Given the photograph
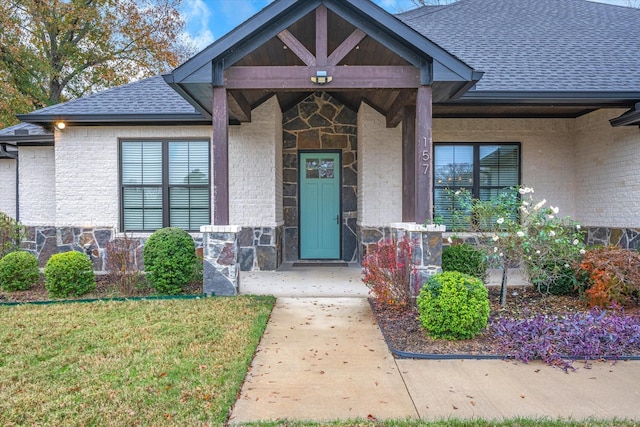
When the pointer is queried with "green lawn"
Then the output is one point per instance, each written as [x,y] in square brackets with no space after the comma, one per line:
[163,362]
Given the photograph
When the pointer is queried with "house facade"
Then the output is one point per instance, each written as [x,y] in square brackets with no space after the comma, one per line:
[320,127]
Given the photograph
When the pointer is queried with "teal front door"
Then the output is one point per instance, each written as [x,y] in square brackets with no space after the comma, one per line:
[320,184]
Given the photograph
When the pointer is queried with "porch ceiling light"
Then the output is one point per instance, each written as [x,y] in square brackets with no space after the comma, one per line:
[61,125]
[321,78]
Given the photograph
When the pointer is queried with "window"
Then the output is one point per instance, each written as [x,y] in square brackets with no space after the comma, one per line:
[483,169]
[164,184]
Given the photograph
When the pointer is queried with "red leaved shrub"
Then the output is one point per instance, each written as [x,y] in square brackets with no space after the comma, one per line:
[387,271]
[613,276]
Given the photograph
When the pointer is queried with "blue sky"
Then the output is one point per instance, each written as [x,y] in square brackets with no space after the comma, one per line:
[208,20]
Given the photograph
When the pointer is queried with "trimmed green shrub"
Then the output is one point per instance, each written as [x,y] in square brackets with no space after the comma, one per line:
[18,271]
[69,274]
[169,260]
[453,305]
[466,259]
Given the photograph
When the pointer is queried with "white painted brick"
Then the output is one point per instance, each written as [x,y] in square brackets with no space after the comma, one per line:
[255,168]
[87,186]
[548,151]
[8,187]
[607,176]
[379,169]
[37,185]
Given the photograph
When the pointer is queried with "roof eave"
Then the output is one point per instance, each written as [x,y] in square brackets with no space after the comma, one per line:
[112,119]
[26,139]
[610,99]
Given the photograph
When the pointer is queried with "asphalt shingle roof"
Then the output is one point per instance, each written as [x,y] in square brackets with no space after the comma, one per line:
[148,96]
[23,129]
[538,45]
[521,45]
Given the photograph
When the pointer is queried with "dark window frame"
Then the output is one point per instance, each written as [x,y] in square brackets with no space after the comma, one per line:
[476,186]
[166,185]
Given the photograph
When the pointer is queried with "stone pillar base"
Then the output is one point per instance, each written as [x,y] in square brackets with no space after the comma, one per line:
[220,257]
[426,242]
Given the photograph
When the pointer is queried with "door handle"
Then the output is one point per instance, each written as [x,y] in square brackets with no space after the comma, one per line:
[338,219]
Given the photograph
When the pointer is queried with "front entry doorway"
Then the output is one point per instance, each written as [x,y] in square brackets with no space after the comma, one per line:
[320,182]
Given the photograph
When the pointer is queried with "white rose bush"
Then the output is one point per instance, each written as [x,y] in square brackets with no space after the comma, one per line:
[516,230]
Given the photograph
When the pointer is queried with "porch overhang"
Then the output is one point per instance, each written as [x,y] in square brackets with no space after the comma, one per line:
[273,53]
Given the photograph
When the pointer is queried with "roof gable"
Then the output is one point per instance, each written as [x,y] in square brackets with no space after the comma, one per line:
[363,14]
[320,24]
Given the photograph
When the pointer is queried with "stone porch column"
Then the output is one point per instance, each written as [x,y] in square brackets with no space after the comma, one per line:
[220,257]
[426,242]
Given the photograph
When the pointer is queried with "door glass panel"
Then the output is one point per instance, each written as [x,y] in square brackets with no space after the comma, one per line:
[327,168]
[313,166]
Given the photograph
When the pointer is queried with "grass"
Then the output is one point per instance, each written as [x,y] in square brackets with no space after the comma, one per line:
[162,362]
[177,362]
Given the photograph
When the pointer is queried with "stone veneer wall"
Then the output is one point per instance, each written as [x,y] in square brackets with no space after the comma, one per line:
[260,248]
[627,238]
[44,241]
[320,122]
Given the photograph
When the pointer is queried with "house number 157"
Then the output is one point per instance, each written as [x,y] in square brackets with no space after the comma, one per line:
[426,156]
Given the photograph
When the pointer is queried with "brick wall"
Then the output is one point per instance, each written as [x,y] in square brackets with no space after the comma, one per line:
[37,185]
[608,172]
[253,168]
[8,187]
[548,151]
[379,169]
[87,185]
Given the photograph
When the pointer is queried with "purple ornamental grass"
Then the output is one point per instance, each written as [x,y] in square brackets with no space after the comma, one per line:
[560,340]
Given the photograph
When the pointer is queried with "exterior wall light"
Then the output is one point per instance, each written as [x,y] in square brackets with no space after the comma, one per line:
[321,78]
[61,125]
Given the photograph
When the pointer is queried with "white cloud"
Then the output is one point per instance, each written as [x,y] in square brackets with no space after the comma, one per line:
[197,15]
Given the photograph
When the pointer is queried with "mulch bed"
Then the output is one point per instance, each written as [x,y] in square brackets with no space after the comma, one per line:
[405,334]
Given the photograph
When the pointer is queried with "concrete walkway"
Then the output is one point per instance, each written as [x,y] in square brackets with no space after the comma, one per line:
[325,359]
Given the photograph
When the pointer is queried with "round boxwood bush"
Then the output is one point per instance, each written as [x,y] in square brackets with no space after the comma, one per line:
[18,271]
[169,260]
[466,259]
[453,305]
[69,274]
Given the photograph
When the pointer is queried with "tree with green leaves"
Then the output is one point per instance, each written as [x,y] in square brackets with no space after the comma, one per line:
[55,50]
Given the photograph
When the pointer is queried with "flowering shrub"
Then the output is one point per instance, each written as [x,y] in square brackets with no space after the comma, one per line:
[613,276]
[515,228]
[550,246]
[453,306]
[387,272]
[558,340]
